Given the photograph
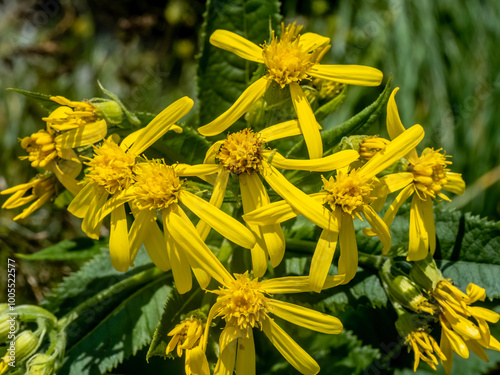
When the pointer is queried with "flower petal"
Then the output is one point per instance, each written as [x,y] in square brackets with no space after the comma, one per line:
[477,349]
[307,122]
[456,342]
[236,44]
[379,227]
[483,313]
[456,184]
[115,201]
[227,355]
[358,75]
[161,124]
[91,225]
[185,234]
[447,351]
[393,209]
[296,284]
[394,125]
[394,151]
[310,41]
[229,227]
[428,216]
[289,349]
[82,201]
[298,200]
[348,260]
[328,163]
[118,240]
[475,293]
[396,181]
[66,171]
[245,355]
[304,317]
[322,259]
[83,135]
[253,93]
[418,245]
[276,212]
[198,361]
[212,152]
[184,170]
[281,130]
[181,270]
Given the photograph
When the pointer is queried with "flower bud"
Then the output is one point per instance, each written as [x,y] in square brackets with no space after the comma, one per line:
[8,326]
[110,110]
[40,364]
[407,293]
[425,273]
[26,344]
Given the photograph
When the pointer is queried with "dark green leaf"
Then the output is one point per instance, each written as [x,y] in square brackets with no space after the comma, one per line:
[328,108]
[78,249]
[42,99]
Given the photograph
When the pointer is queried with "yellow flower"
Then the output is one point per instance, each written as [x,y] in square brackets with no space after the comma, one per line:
[426,176]
[245,304]
[111,173]
[187,337]
[243,154]
[424,347]
[458,332]
[74,115]
[40,190]
[348,195]
[288,60]
[155,188]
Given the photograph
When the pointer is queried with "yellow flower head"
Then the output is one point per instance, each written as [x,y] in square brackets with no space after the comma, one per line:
[429,173]
[424,348]
[241,152]
[40,190]
[243,304]
[41,148]
[71,115]
[369,146]
[286,59]
[111,167]
[349,192]
[156,185]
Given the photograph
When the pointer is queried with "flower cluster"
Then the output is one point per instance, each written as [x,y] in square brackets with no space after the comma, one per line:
[146,199]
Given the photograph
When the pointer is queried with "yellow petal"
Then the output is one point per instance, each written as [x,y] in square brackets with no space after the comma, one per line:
[115,201]
[245,355]
[91,225]
[212,152]
[216,200]
[118,240]
[281,130]
[35,206]
[276,212]
[289,349]
[456,184]
[184,233]
[475,293]
[379,227]
[396,181]
[64,170]
[227,352]
[456,342]
[394,151]
[322,259]
[184,170]
[393,209]
[428,216]
[274,240]
[296,284]
[298,200]
[221,222]
[83,135]
[138,229]
[201,276]
[328,163]
[253,93]
[236,44]
[81,203]
[161,124]
[198,362]
[304,317]
[418,245]
[358,75]
[477,349]
[348,260]
[310,41]
[307,122]
[483,313]
[181,270]
[447,351]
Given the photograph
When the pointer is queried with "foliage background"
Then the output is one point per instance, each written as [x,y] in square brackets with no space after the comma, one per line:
[443,56]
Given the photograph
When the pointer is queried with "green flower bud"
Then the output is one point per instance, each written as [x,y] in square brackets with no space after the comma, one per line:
[425,273]
[41,364]
[26,344]
[110,110]
[407,293]
[8,326]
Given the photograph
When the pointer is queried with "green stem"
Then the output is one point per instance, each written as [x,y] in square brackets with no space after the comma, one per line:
[136,279]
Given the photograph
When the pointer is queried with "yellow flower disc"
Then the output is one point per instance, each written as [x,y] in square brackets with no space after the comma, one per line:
[348,191]
[156,185]
[111,167]
[41,148]
[429,172]
[241,152]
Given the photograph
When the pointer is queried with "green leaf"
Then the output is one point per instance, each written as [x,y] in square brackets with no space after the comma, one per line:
[121,333]
[175,306]
[132,118]
[42,99]
[223,76]
[78,249]
[328,108]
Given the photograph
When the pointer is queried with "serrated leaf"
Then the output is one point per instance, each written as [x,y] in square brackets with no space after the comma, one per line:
[175,306]
[223,76]
[42,99]
[124,331]
[77,249]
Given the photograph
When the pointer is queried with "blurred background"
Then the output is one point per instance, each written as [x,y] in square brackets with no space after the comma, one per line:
[443,56]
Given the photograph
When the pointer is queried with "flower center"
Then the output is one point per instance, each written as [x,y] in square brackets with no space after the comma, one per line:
[429,172]
[369,146]
[348,191]
[71,115]
[241,152]
[156,185]
[285,60]
[41,148]
[111,167]
[243,304]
